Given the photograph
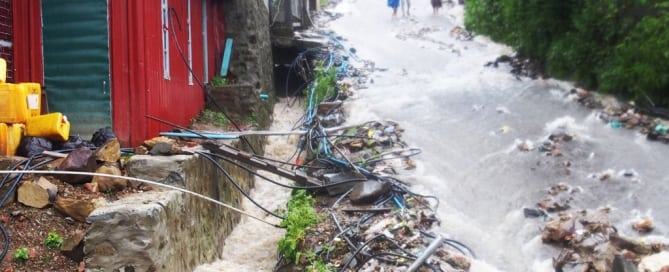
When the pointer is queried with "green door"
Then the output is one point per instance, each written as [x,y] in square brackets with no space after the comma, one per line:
[76,62]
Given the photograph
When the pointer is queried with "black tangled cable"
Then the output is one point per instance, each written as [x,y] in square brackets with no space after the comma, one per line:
[17,181]
[239,188]
[255,173]
[174,14]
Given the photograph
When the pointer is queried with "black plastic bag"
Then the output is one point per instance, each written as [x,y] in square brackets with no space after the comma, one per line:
[73,142]
[31,146]
[103,135]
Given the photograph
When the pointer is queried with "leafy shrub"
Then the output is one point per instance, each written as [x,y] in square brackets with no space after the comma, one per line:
[53,240]
[299,217]
[218,81]
[616,46]
[642,61]
[21,254]
[215,118]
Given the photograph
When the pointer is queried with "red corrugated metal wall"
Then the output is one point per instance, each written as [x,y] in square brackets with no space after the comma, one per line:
[139,88]
[27,36]
[216,29]
[6,37]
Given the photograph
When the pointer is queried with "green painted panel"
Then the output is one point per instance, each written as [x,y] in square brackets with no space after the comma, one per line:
[76,62]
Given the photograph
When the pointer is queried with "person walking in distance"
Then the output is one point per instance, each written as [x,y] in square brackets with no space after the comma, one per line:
[394,4]
[436,4]
[406,7]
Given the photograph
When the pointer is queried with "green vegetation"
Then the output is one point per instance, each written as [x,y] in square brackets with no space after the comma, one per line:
[21,254]
[616,46]
[315,262]
[299,217]
[218,81]
[325,80]
[53,240]
[215,118]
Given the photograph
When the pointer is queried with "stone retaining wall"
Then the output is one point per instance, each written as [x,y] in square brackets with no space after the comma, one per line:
[166,230]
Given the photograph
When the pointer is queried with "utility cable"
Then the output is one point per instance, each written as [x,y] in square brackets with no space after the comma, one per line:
[197,79]
[239,188]
[57,172]
[18,180]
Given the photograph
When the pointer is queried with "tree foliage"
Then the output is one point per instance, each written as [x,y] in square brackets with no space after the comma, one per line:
[617,46]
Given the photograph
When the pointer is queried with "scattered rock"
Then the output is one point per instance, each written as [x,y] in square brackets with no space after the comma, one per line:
[369,191]
[37,194]
[79,160]
[644,225]
[109,152]
[161,149]
[559,230]
[109,184]
[73,246]
[75,208]
[152,142]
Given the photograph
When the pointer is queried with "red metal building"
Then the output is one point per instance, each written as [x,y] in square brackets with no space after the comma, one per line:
[112,63]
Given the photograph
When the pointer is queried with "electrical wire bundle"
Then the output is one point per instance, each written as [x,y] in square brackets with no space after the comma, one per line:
[395,237]
[15,180]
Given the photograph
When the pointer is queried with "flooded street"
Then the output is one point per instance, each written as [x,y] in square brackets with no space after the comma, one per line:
[469,119]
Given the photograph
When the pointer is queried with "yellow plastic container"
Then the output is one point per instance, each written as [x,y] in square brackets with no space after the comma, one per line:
[33,97]
[10,138]
[3,70]
[18,102]
[53,126]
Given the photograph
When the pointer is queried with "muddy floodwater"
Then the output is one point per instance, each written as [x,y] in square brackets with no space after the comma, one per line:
[469,120]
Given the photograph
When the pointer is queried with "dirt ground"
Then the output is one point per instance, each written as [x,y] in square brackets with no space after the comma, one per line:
[28,227]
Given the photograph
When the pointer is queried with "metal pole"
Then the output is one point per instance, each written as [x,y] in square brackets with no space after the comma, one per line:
[428,252]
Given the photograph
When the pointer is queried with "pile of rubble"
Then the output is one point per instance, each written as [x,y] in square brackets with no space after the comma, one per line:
[371,219]
[624,115]
[589,242]
[617,115]
[520,66]
[85,177]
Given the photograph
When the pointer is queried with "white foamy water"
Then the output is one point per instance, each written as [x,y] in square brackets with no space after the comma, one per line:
[252,244]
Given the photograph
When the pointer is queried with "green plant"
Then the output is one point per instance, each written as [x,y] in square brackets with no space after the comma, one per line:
[21,254]
[218,81]
[315,263]
[324,84]
[53,240]
[215,118]
[319,266]
[251,119]
[299,217]
[614,46]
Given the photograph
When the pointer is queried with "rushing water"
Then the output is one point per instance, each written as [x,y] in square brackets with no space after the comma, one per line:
[468,119]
